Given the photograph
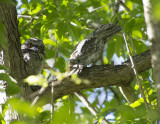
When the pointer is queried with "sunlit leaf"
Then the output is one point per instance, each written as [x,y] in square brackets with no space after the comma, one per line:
[76,79]
[153,97]
[62,28]
[105,60]
[137,103]
[65,97]
[136,87]
[23,107]
[1,118]
[37,9]
[49,41]
[36,80]
[136,34]
[129,4]
[65,2]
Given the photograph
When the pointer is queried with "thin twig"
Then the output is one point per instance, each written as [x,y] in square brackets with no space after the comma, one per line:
[25,26]
[86,103]
[89,106]
[52,84]
[39,92]
[128,93]
[115,7]
[124,5]
[137,77]
[27,16]
[52,106]
[135,72]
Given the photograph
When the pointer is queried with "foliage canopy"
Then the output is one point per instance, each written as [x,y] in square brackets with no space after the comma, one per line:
[61,24]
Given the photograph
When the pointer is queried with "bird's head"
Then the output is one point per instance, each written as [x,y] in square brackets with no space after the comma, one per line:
[33,44]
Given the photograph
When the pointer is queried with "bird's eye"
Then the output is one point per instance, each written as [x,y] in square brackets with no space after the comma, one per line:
[42,47]
[30,45]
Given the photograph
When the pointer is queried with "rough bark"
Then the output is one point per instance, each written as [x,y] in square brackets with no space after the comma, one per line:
[153,31]
[8,17]
[13,56]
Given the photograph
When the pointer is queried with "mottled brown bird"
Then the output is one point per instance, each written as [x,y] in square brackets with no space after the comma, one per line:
[89,49]
[33,54]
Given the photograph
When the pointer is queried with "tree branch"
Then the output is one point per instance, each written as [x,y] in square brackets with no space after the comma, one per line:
[99,76]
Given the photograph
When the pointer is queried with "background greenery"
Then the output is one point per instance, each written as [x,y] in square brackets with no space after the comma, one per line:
[61,24]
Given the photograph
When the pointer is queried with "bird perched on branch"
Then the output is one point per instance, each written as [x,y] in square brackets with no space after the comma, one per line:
[89,49]
[33,54]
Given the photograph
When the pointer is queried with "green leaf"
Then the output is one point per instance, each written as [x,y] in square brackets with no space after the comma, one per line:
[62,28]
[23,107]
[126,112]
[136,34]
[152,97]
[129,5]
[73,31]
[4,108]
[137,103]
[60,64]
[119,44]
[65,2]
[45,115]
[12,87]
[36,10]
[2,67]
[110,50]
[1,118]
[67,47]
[50,53]
[49,42]
[19,122]
[25,1]
[154,114]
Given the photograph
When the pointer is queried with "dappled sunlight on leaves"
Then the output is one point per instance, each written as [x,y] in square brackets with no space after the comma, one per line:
[36,80]
[23,107]
[62,24]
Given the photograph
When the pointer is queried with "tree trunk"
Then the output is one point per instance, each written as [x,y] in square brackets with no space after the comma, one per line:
[153,31]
